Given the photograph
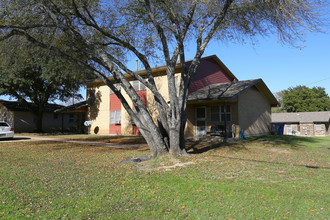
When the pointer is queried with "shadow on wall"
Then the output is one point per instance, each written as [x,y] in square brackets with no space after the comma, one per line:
[94,101]
[258,124]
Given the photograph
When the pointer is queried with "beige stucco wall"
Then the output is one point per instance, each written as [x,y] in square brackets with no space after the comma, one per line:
[126,126]
[98,112]
[254,113]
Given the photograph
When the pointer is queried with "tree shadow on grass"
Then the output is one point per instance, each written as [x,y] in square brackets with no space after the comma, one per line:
[294,142]
[273,162]
[203,145]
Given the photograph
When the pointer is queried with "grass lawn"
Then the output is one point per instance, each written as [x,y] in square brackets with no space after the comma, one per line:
[266,177]
[115,139]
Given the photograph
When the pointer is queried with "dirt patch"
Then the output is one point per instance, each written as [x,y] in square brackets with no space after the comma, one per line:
[167,164]
[281,151]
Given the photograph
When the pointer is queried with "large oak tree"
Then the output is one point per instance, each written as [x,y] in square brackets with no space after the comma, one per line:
[109,32]
[29,73]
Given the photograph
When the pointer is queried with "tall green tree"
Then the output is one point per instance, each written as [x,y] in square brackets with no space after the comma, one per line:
[108,32]
[29,73]
[304,99]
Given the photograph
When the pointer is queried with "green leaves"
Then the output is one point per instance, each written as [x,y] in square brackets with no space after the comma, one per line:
[304,99]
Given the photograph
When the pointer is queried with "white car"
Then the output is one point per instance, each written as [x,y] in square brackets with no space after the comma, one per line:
[6,131]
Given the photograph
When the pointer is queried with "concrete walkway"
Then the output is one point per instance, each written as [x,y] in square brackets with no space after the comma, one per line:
[33,138]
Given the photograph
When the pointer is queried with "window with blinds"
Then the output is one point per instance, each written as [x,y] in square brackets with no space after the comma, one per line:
[115,117]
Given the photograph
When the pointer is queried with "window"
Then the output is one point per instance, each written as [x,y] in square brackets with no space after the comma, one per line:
[215,114]
[225,113]
[138,86]
[4,124]
[117,87]
[289,129]
[115,117]
[220,113]
[71,118]
[318,127]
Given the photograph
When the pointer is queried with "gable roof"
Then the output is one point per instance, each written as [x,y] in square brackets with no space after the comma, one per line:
[78,107]
[17,106]
[161,69]
[225,91]
[301,117]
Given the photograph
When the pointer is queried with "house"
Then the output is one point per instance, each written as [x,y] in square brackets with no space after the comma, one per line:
[77,115]
[217,100]
[301,123]
[55,117]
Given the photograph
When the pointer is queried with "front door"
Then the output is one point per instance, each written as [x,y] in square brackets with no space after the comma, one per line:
[201,125]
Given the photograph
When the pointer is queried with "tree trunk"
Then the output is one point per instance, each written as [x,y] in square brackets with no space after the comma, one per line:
[177,143]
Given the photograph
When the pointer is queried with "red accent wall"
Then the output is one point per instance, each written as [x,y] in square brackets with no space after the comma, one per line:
[208,73]
[136,130]
[115,105]
[143,95]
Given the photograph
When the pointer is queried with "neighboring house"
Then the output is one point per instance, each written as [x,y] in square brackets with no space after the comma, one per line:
[23,120]
[216,100]
[301,123]
[76,113]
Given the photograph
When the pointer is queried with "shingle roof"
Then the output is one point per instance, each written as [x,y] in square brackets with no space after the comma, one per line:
[223,91]
[17,106]
[301,117]
[73,107]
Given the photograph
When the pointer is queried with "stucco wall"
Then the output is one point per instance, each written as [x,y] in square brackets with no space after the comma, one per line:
[99,111]
[254,113]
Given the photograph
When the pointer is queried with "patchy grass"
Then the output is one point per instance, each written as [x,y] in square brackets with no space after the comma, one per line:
[116,139]
[266,177]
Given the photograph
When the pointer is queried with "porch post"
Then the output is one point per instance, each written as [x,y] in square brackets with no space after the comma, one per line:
[62,124]
[225,122]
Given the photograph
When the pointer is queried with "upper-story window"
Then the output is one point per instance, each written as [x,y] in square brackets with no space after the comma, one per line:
[117,87]
[115,117]
[138,86]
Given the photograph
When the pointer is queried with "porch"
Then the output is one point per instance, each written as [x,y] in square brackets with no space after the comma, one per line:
[213,118]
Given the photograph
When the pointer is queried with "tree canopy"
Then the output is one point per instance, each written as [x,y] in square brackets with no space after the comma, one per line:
[30,73]
[110,32]
[304,99]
